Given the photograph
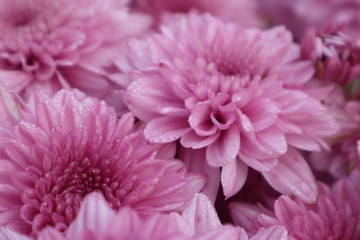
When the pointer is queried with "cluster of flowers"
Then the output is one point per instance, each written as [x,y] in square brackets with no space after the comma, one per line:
[179,120]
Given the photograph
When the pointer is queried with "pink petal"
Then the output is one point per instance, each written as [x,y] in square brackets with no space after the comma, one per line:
[146,93]
[233,177]
[9,196]
[51,234]
[199,216]
[194,141]
[292,176]
[243,214]
[262,113]
[304,142]
[9,109]
[259,164]
[166,129]
[224,233]
[95,215]
[225,149]
[274,140]
[195,161]
[271,233]
[15,80]
[286,208]
[8,234]
[290,100]
[199,120]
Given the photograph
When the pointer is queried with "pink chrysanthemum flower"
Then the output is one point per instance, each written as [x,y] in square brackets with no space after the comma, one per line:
[335,215]
[234,91]
[335,55]
[344,155]
[53,44]
[299,15]
[243,12]
[57,150]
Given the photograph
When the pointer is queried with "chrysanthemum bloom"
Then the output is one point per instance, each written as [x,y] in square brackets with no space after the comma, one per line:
[234,91]
[96,220]
[53,44]
[344,155]
[57,150]
[335,215]
[299,15]
[335,55]
[242,12]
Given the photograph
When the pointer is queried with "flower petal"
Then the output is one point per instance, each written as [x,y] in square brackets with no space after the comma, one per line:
[233,177]
[166,129]
[8,234]
[194,141]
[195,161]
[95,215]
[271,233]
[292,176]
[225,149]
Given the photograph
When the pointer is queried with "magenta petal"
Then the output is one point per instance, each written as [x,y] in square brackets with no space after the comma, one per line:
[225,149]
[224,233]
[195,161]
[274,140]
[15,80]
[192,140]
[199,120]
[292,176]
[262,113]
[304,142]
[290,100]
[146,93]
[95,215]
[260,164]
[51,234]
[9,109]
[233,177]
[166,129]
[198,218]
[8,234]
[276,232]
[244,214]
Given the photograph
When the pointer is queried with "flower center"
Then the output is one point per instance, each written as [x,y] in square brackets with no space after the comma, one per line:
[56,198]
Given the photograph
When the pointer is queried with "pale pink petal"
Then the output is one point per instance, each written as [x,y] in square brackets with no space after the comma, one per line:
[262,164]
[8,234]
[271,233]
[9,108]
[303,142]
[51,234]
[95,215]
[225,149]
[166,129]
[143,95]
[195,161]
[233,177]
[193,140]
[262,113]
[292,176]
[244,214]
[224,233]
[15,80]
[199,217]
[273,140]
